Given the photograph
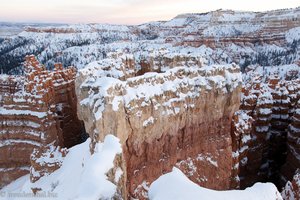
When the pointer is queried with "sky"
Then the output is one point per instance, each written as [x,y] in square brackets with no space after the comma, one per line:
[123,11]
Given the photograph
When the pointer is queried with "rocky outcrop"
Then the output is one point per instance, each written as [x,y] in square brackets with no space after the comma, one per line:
[240,134]
[46,160]
[178,117]
[125,101]
[245,29]
[269,98]
[36,110]
[293,148]
[291,190]
[157,88]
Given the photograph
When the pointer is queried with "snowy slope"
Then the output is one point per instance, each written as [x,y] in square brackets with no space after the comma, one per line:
[81,44]
[176,186]
[82,175]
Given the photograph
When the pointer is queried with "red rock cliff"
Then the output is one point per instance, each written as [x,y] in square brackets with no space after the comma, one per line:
[36,110]
[180,117]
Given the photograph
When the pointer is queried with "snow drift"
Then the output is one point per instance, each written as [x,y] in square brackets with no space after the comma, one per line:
[176,186]
[81,176]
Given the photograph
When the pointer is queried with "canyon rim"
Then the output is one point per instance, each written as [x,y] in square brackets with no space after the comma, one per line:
[205,105]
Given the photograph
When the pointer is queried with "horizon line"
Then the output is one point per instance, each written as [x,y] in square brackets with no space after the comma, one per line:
[128,24]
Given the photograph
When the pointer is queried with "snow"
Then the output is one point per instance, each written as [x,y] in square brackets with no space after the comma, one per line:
[230,30]
[81,176]
[142,189]
[265,111]
[293,34]
[4,111]
[148,122]
[182,81]
[176,186]
[23,123]
[244,123]
[177,22]
[288,192]
[105,74]
[262,129]
[9,142]
[52,155]
[118,174]
[267,72]
[233,16]
[82,44]
[208,158]
[246,138]
[189,165]
[244,148]
[24,168]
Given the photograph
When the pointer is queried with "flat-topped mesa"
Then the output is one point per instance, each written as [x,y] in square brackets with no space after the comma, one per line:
[180,117]
[37,109]
[226,27]
[50,30]
[79,28]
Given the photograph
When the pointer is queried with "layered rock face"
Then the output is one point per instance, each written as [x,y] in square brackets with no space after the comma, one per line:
[157,87]
[269,109]
[181,117]
[222,36]
[226,27]
[36,110]
[293,148]
[126,102]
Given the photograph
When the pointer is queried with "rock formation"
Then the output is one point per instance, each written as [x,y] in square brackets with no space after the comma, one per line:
[291,190]
[178,117]
[167,90]
[138,110]
[46,160]
[269,99]
[37,110]
[222,37]
[293,149]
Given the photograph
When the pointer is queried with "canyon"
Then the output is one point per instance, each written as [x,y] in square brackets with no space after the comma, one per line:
[215,95]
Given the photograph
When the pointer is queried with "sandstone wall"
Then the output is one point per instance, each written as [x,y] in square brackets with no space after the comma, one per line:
[181,117]
[270,99]
[293,148]
[36,110]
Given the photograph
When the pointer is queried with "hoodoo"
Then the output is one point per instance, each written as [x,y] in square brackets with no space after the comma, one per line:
[37,110]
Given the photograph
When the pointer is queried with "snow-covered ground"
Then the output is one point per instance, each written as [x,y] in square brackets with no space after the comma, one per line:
[10,29]
[176,186]
[81,44]
[81,176]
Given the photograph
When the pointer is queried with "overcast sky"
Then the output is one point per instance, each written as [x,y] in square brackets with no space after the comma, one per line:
[123,11]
